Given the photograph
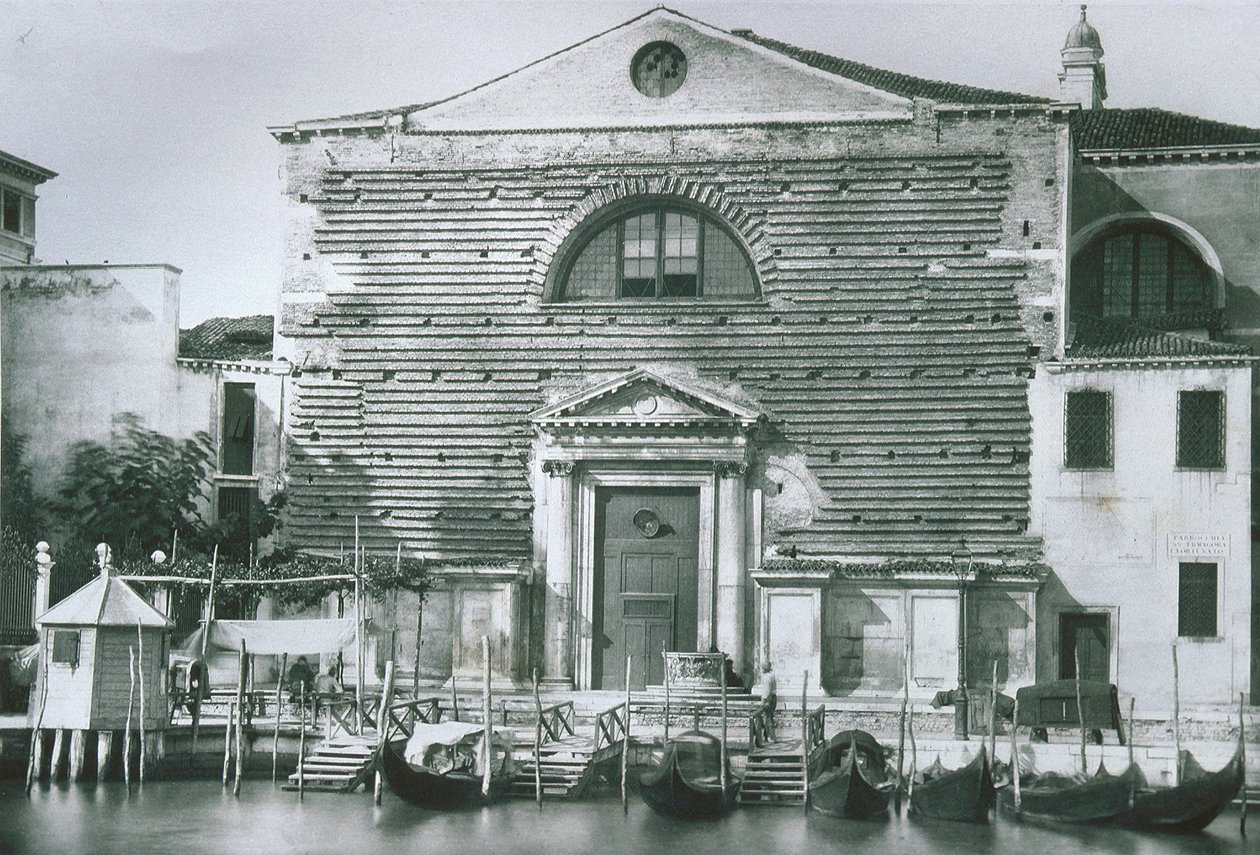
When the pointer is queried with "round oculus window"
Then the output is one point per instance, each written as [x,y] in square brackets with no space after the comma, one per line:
[658,69]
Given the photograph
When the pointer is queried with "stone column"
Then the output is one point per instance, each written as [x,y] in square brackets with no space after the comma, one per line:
[43,568]
[730,530]
[558,594]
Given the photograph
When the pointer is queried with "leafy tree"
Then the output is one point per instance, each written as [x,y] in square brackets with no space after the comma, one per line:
[136,490]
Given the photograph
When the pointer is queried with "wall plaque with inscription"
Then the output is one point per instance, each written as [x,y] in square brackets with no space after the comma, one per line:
[1198,545]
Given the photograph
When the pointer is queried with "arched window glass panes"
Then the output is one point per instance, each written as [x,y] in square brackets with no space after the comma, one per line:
[660,253]
[1139,273]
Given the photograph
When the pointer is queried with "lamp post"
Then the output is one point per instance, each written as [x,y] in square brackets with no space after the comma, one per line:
[960,562]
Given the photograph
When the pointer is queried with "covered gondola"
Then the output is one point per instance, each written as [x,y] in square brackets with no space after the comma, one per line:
[439,766]
[1076,800]
[850,777]
[960,795]
[687,783]
[1191,805]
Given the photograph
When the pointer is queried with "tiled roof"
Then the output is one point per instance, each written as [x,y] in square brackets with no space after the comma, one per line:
[105,601]
[904,85]
[1122,339]
[228,338]
[1148,127]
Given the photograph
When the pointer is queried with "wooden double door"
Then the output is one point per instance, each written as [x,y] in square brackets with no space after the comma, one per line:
[1085,637]
[646,581]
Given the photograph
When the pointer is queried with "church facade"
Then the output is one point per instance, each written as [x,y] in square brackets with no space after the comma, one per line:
[690,339]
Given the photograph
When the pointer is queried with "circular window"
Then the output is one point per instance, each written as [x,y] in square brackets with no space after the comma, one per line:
[658,69]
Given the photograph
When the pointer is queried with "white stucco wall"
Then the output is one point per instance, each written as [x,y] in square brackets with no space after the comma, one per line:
[1108,534]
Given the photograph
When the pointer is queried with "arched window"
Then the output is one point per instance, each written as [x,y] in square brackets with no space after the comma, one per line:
[658,253]
[1139,272]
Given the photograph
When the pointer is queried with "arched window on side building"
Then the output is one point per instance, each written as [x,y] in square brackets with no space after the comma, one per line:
[1143,272]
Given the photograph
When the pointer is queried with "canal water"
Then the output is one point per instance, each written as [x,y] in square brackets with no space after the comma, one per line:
[188,817]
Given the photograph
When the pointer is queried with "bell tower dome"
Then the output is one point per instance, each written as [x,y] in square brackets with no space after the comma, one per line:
[1084,77]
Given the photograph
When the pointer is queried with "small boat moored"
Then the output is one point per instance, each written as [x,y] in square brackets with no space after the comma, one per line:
[960,795]
[1076,800]
[850,777]
[1192,804]
[687,784]
[439,766]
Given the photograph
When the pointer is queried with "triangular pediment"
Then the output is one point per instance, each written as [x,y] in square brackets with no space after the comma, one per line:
[644,397]
[727,79]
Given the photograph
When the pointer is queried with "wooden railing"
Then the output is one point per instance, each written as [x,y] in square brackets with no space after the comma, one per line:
[556,722]
[401,717]
[816,728]
[610,726]
[341,714]
[760,726]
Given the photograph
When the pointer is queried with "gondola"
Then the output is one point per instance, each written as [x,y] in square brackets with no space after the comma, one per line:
[448,775]
[850,778]
[960,795]
[687,783]
[1059,798]
[1191,805]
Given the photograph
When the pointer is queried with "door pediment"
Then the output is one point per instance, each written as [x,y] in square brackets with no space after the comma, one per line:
[643,398]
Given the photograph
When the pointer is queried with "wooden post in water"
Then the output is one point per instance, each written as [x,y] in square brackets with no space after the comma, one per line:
[301,770]
[227,740]
[1015,756]
[1242,750]
[275,736]
[76,754]
[625,743]
[214,575]
[358,629]
[59,753]
[1176,718]
[242,674]
[454,699]
[1080,712]
[804,736]
[144,759]
[993,716]
[723,753]
[1131,702]
[537,743]
[382,721]
[127,735]
[104,753]
[665,680]
[36,759]
[901,736]
[487,717]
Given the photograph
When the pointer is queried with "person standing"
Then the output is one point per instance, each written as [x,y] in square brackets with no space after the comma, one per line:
[767,689]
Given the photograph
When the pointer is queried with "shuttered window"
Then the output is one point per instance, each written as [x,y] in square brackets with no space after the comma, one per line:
[65,647]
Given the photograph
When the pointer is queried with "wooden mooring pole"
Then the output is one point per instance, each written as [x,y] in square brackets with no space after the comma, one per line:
[242,675]
[1131,703]
[77,740]
[1015,756]
[665,680]
[35,762]
[302,740]
[487,718]
[722,769]
[227,741]
[1080,712]
[144,758]
[275,735]
[993,716]
[537,743]
[59,754]
[901,738]
[382,725]
[454,699]
[625,743]
[1176,718]
[104,753]
[127,736]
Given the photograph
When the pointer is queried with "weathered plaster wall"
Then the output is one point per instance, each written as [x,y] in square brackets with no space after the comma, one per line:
[1106,533]
[82,345]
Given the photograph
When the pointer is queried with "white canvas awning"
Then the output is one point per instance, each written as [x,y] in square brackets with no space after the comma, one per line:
[268,637]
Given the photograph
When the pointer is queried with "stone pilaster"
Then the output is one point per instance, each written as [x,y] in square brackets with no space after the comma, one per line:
[558,603]
[730,560]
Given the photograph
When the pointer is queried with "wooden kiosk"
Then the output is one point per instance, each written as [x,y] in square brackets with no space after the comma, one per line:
[102,672]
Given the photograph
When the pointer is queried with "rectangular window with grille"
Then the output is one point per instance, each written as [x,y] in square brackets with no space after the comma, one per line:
[1201,430]
[1087,430]
[1196,601]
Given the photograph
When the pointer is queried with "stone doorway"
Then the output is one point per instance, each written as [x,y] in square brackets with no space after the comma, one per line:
[646,581]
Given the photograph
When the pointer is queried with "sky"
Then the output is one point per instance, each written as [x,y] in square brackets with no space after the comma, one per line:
[154,114]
